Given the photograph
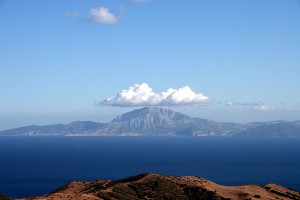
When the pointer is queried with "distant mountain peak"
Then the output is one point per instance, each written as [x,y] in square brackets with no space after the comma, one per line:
[150,112]
[160,121]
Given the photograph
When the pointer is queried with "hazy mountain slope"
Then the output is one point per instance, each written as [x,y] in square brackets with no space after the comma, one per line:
[278,129]
[83,126]
[155,186]
[56,129]
[150,120]
[159,121]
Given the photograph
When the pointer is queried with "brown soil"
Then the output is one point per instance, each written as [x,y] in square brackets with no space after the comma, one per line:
[155,186]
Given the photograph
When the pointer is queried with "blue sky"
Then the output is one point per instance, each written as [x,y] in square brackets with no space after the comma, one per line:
[58,58]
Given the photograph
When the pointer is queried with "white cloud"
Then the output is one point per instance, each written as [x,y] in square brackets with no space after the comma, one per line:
[230,103]
[262,107]
[143,95]
[71,14]
[283,107]
[254,105]
[102,15]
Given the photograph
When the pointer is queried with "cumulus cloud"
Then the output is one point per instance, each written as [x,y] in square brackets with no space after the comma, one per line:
[102,15]
[71,14]
[143,95]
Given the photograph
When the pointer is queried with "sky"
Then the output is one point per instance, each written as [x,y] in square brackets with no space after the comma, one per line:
[225,60]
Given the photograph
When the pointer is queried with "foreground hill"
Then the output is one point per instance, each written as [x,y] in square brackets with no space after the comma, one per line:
[153,121]
[3,197]
[155,186]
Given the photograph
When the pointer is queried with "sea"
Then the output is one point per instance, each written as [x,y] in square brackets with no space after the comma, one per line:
[31,166]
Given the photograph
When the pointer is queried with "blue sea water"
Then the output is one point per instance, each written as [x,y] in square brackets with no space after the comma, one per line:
[32,166]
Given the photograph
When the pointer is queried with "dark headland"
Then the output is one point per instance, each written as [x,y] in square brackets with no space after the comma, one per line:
[156,186]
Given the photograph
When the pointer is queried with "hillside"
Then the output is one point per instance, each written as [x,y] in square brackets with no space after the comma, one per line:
[3,197]
[159,121]
[275,129]
[153,121]
[155,186]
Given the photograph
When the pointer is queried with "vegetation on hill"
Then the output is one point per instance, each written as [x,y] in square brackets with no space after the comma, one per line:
[156,186]
[3,197]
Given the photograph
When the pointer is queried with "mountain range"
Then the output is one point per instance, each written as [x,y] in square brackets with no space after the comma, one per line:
[153,121]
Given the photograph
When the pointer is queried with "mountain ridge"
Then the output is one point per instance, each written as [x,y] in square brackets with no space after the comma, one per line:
[158,186]
[154,121]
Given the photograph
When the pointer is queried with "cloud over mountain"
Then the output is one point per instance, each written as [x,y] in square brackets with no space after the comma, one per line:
[102,15]
[143,95]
